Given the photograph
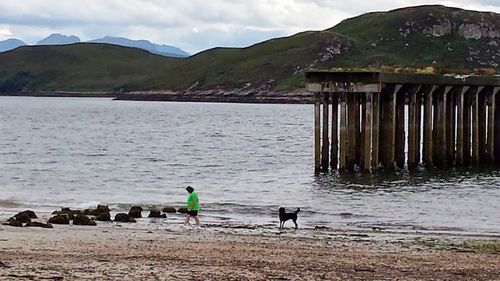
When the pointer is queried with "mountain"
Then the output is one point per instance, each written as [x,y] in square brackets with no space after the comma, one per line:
[59,39]
[10,44]
[164,50]
[433,37]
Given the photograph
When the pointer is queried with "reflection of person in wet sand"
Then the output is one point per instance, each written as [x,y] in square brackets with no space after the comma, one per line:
[193,206]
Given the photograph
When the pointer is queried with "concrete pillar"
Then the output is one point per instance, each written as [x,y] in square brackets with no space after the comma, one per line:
[491,126]
[413,127]
[451,125]
[317,132]
[400,129]
[325,156]
[368,130]
[496,93]
[343,132]
[460,124]
[352,128]
[428,120]
[388,127]
[482,111]
[334,154]
[375,130]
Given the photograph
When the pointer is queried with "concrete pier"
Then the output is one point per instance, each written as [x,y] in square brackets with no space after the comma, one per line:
[370,120]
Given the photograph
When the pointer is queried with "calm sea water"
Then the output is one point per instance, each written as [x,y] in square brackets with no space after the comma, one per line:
[244,160]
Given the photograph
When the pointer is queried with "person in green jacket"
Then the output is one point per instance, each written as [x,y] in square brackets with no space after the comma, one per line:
[193,206]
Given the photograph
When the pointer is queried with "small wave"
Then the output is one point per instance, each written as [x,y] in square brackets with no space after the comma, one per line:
[8,203]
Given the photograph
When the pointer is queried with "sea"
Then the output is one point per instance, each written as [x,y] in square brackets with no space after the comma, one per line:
[244,161]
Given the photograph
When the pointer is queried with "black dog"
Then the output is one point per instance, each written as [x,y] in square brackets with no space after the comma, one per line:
[284,216]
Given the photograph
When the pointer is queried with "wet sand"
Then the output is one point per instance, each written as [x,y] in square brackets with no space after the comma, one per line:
[114,252]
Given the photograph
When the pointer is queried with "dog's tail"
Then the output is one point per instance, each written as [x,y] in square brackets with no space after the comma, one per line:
[298,210]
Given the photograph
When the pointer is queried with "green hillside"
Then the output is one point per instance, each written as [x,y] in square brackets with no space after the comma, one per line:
[409,39]
[78,67]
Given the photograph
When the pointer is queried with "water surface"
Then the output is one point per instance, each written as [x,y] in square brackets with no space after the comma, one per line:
[245,161]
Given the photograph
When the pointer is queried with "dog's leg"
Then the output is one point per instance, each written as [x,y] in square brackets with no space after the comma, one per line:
[295,222]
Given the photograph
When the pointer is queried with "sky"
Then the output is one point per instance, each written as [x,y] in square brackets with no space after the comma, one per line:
[192,25]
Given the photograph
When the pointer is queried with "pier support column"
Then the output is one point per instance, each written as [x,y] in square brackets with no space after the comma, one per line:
[418,136]
[460,123]
[362,101]
[491,126]
[469,104]
[343,132]
[368,132]
[334,154]
[388,126]
[496,93]
[352,128]
[357,130]
[317,132]
[440,141]
[325,157]
[482,111]
[451,125]
[413,127]
[400,128]
[476,152]
[428,120]
[376,130]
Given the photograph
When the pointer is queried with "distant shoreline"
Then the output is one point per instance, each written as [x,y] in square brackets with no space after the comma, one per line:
[217,96]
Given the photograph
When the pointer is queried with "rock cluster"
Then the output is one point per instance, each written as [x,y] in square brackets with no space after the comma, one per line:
[24,219]
[66,216]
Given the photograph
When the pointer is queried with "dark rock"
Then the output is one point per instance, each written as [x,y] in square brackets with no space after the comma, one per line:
[169,209]
[90,212]
[135,212]
[22,218]
[122,217]
[39,224]
[83,220]
[29,213]
[60,219]
[182,210]
[68,212]
[14,223]
[103,217]
[102,209]
[156,214]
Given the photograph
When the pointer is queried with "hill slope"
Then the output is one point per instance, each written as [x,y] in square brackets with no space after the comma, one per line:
[438,36]
[78,67]
[447,39]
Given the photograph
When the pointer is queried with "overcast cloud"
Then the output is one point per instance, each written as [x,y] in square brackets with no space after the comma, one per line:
[192,25]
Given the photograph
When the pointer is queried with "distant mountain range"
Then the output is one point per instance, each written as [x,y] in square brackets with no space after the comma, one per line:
[60,39]
[10,44]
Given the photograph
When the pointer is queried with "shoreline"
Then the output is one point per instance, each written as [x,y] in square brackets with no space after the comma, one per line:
[212,96]
[125,252]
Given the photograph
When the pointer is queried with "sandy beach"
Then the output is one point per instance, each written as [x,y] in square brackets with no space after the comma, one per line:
[114,251]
